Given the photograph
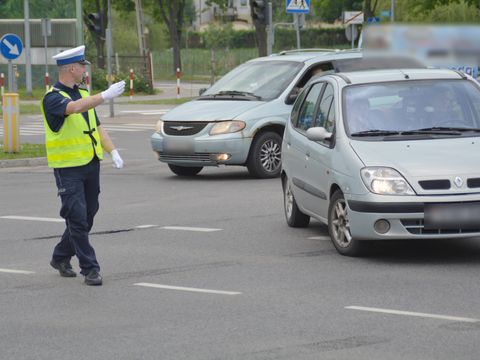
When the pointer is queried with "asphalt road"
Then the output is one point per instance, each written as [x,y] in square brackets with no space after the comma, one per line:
[206,268]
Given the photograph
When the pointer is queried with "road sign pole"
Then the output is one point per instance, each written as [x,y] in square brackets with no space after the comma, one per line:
[10,76]
[297,28]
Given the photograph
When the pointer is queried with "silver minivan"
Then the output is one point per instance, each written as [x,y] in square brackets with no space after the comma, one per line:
[387,154]
[240,119]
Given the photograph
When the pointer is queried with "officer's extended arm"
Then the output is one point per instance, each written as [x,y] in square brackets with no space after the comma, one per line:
[87,103]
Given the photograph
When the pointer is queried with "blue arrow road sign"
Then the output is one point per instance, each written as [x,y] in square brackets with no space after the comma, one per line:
[298,6]
[11,46]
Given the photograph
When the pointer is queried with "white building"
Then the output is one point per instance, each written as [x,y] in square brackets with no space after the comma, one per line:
[237,10]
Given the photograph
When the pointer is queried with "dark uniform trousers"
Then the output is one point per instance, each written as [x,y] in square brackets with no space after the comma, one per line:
[78,188]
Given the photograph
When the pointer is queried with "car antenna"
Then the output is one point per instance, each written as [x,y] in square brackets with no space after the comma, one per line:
[405,75]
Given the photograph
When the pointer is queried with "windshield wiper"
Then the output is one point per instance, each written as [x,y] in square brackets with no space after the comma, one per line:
[442,129]
[376,132]
[238,93]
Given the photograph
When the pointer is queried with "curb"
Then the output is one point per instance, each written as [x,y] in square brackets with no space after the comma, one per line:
[41,161]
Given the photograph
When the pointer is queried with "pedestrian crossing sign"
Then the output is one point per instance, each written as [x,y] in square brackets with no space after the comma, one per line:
[298,6]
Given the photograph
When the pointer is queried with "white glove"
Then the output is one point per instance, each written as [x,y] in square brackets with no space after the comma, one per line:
[117,160]
[114,90]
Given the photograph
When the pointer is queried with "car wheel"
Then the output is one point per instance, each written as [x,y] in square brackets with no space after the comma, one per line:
[185,170]
[265,155]
[339,226]
[293,215]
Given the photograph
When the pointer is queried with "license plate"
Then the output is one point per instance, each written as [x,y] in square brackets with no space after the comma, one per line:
[177,146]
[452,216]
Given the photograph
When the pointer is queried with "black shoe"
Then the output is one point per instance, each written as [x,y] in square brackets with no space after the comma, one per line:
[93,278]
[64,268]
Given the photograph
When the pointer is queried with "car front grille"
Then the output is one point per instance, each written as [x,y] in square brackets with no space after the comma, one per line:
[197,157]
[435,184]
[183,128]
[417,227]
[473,183]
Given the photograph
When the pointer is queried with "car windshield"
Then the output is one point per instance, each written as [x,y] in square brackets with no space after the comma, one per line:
[413,108]
[261,80]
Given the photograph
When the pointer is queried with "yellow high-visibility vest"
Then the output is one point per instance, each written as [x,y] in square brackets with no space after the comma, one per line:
[76,143]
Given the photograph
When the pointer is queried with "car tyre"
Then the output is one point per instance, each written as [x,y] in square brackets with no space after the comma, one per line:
[293,215]
[185,170]
[264,160]
[339,227]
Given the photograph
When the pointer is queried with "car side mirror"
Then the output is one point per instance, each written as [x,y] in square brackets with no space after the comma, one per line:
[318,134]
[201,91]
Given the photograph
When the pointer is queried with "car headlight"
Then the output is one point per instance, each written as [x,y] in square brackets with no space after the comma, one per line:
[226,127]
[385,181]
[159,126]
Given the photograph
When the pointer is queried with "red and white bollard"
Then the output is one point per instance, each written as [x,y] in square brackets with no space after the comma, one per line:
[87,81]
[46,82]
[2,84]
[132,77]
[178,83]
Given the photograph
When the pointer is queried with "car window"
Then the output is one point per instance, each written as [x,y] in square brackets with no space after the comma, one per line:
[330,123]
[296,107]
[267,79]
[305,117]
[406,106]
[322,114]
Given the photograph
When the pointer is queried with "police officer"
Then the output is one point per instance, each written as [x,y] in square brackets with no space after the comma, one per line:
[75,141]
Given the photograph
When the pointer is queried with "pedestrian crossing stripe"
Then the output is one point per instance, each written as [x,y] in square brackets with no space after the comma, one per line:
[302,5]
[37,129]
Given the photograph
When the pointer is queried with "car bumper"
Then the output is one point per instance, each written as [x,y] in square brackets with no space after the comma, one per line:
[202,150]
[412,218]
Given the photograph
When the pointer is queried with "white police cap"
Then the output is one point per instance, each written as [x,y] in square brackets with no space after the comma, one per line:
[75,55]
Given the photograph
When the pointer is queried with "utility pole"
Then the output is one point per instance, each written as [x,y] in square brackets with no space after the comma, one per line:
[270,29]
[140,27]
[109,53]
[392,10]
[28,67]
[79,25]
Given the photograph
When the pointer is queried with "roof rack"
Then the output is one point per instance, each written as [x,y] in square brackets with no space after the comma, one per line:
[294,51]
[343,77]
[460,73]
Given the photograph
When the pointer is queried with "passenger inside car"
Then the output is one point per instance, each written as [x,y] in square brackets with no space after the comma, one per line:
[443,110]
[359,116]
[310,74]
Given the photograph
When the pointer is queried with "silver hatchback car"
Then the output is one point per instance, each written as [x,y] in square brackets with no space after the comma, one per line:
[387,154]
[240,120]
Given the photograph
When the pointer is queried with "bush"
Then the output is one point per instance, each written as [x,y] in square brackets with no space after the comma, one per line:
[285,38]
[100,82]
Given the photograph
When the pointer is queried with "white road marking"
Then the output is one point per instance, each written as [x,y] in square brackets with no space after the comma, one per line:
[410,313]
[146,112]
[10,271]
[319,238]
[186,228]
[145,226]
[31,218]
[159,286]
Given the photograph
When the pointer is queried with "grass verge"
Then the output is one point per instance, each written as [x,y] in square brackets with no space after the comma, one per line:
[26,151]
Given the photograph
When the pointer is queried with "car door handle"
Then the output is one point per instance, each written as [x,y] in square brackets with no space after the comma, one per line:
[307,154]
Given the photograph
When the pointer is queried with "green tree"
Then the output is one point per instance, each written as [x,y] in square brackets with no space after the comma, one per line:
[217,36]
[331,10]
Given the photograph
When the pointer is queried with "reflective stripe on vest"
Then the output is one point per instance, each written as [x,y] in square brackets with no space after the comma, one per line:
[75,142]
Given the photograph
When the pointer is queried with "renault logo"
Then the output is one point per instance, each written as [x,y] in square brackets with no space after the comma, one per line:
[181,127]
[458,181]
